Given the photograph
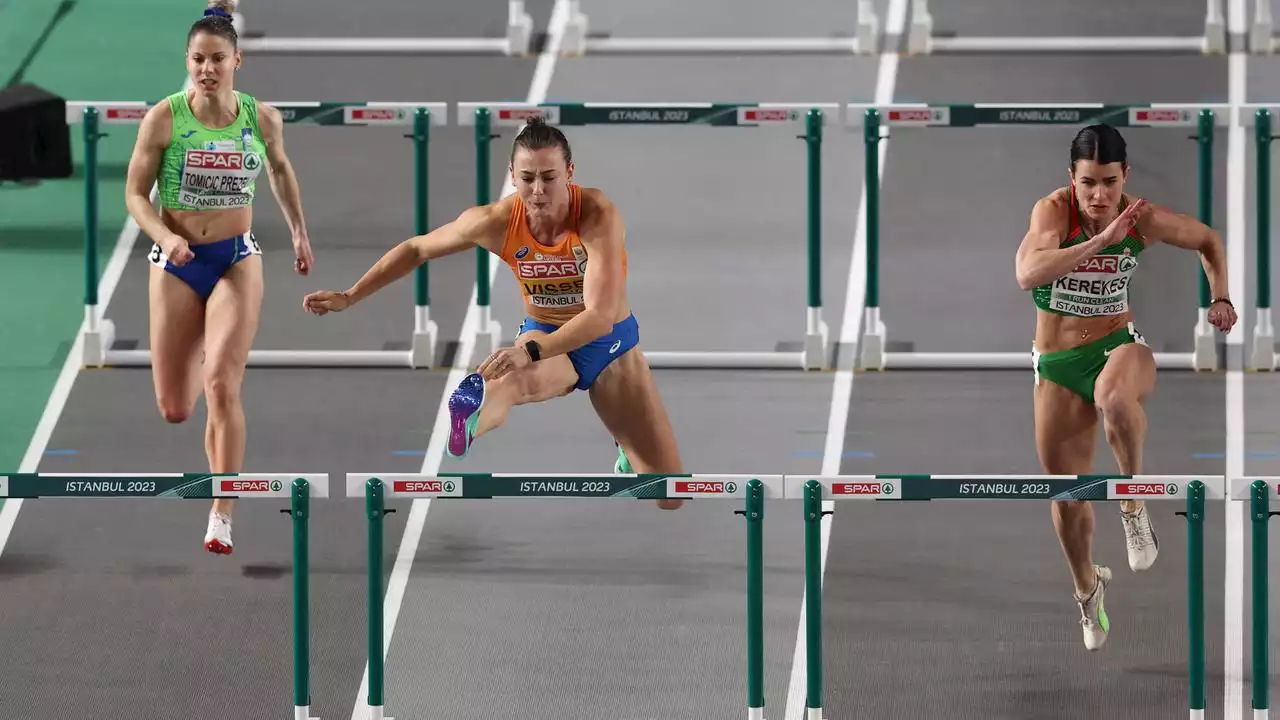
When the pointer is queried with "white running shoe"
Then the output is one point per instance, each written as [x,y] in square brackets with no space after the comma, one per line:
[1140,539]
[1093,614]
[217,539]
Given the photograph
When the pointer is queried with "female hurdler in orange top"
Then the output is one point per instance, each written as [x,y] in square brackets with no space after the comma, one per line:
[566,246]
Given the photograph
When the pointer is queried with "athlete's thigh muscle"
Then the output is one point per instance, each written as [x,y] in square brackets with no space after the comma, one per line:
[1130,372]
[231,320]
[545,379]
[176,329]
[626,398]
[1066,430]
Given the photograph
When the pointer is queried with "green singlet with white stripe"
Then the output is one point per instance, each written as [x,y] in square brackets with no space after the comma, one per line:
[211,169]
[1098,285]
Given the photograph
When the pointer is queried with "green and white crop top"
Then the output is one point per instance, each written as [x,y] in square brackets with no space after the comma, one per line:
[1098,285]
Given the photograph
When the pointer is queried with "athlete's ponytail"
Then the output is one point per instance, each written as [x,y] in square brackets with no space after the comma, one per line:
[537,134]
[217,20]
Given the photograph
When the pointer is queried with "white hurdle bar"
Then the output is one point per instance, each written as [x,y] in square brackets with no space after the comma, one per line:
[922,41]
[516,42]
[99,332]
[577,41]
[911,116]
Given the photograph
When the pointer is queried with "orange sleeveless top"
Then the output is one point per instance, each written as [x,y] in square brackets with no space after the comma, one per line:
[550,276]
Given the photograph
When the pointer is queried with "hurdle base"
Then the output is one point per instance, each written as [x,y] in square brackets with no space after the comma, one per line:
[573,41]
[95,348]
[287,358]
[519,30]
[1215,35]
[375,712]
[1000,361]
[303,712]
[1205,355]
[488,341]
[920,35]
[1117,45]
[815,349]
[812,713]
[1264,342]
[873,356]
[1261,41]
[722,360]
[422,353]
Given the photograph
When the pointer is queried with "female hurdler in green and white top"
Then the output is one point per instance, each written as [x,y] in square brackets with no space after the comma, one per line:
[1077,259]
[204,148]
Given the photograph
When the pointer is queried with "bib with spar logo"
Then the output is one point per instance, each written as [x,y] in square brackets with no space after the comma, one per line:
[211,169]
[1098,285]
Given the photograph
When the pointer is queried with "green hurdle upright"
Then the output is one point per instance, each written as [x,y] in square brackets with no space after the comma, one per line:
[1262,118]
[299,488]
[99,334]
[812,117]
[1193,490]
[1259,493]
[874,117]
[750,490]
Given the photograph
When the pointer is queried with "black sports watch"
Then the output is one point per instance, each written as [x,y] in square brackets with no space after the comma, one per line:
[535,352]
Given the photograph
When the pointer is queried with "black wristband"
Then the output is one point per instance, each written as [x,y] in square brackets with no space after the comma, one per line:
[1225,300]
[535,352]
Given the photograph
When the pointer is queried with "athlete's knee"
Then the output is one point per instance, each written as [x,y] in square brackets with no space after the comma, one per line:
[174,409]
[221,389]
[1119,408]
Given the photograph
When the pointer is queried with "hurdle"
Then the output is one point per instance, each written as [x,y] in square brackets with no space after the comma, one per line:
[298,488]
[519,32]
[1262,119]
[99,335]
[872,118]
[485,116]
[578,41]
[921,38]
[1193,490]
[751,490]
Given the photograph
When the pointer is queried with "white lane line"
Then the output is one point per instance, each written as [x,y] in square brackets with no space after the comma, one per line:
[440,432]
[850,330]
[1236,237]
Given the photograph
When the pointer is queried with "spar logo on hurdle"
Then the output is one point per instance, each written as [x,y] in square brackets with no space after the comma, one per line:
[422,486]
[706,487]
[876,488]
[1137,488]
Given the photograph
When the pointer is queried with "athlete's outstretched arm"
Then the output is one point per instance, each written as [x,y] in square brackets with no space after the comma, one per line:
[1183,231]
[1040,260]
[602,235]
[1186,232]
[481,226]
[284,184]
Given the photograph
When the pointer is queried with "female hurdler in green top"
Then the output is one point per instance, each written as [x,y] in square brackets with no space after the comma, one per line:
[204,148]
[1077,259]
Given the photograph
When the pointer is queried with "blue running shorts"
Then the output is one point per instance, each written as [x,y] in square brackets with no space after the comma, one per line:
[211,261]
[591,359]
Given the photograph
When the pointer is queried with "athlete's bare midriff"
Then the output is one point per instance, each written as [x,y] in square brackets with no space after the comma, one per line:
[199,227]
[1056,332]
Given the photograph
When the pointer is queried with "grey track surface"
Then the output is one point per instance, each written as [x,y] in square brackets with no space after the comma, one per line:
[577,609]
